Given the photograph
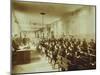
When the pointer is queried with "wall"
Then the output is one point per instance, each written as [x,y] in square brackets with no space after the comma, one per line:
[15,27]
[80,23]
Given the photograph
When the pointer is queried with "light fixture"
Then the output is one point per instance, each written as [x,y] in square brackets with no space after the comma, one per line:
[42,18]
[41,29]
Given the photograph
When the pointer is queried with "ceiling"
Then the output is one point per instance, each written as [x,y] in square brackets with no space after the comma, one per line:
[28,13]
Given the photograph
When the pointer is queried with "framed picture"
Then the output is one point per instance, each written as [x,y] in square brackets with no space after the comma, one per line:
[52,37]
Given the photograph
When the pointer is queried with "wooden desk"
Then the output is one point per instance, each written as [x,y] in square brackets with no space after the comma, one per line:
[22,57]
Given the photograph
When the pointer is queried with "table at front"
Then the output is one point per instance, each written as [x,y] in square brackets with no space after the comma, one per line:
[22,57]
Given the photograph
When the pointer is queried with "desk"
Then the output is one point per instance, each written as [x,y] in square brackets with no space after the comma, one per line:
[22,57]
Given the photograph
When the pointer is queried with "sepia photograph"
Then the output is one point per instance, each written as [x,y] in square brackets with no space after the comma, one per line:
[52,37]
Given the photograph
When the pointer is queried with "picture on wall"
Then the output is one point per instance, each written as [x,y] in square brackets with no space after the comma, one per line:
[52,37]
